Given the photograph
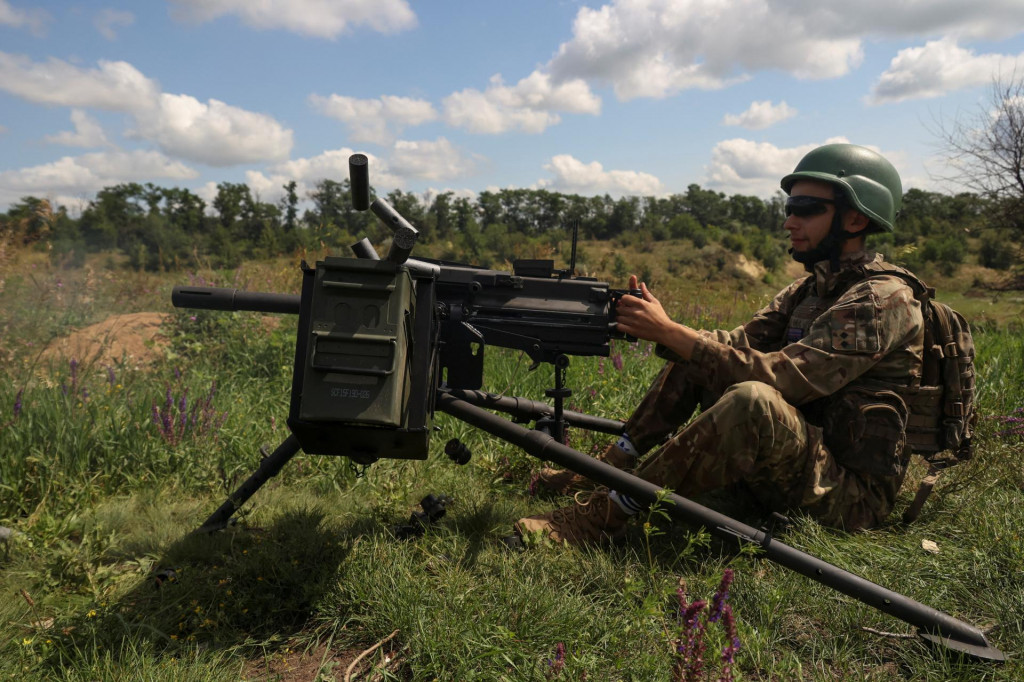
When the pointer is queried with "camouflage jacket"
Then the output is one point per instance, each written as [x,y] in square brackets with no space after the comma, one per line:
[822,339]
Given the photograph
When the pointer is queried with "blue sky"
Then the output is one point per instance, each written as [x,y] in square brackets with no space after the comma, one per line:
[629,97]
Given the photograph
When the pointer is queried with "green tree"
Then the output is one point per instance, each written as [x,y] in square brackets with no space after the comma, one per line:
[30,219]
[625,217]
[290,206]
[441,215]
[114,217]
[708,207]
[994,252]
[184,210]
[231,203]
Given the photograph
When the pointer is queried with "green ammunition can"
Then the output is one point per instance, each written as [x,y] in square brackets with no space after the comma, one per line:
[357,369]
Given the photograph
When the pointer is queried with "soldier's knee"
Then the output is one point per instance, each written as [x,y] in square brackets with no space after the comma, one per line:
[751,396]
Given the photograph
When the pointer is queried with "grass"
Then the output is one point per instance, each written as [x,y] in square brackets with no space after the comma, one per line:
[103,497]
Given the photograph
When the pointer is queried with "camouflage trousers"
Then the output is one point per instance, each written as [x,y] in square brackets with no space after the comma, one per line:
[748,434]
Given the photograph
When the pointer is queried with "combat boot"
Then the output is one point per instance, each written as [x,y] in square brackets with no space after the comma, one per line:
[565,482]
[593,520]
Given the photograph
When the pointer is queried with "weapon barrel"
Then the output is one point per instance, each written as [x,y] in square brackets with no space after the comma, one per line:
[935,626]
[224,298]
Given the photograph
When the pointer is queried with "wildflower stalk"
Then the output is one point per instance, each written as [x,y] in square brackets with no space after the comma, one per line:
[691,643]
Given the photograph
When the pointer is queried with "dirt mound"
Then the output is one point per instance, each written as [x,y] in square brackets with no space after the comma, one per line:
[133,339]
[751,268]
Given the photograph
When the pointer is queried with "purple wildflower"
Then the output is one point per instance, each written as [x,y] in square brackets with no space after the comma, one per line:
[720,597]
[17,403]
[730,649]
[111,377]
[183,412]
[691,644]
[557,663]
[177,418]
[617,361]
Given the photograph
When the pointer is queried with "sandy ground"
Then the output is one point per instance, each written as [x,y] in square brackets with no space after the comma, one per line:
[133,339]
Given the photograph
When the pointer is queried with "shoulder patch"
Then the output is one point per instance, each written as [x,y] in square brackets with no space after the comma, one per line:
[854,327]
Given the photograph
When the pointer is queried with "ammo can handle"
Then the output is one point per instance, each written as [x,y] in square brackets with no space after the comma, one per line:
[331,284]
[361,371]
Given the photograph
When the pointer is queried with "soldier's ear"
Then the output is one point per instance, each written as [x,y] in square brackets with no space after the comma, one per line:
[856,223]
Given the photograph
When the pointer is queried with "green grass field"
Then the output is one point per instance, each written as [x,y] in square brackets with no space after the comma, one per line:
[106,468]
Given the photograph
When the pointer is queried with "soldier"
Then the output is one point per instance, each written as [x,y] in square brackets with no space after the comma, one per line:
[802,402]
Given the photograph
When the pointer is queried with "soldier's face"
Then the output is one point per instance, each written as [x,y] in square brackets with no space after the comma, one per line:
[809,213]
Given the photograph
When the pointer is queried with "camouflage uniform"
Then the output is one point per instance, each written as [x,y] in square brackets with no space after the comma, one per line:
[800,403]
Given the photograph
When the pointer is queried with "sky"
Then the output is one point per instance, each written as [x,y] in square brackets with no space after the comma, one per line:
[628,97]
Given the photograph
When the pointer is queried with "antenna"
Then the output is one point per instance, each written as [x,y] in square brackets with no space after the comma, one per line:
[572,258]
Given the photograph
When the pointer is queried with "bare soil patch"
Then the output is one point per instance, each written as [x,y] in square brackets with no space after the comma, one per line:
[132,339]
[381,662]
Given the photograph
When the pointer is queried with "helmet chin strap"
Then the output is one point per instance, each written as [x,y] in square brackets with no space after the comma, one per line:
[831,247]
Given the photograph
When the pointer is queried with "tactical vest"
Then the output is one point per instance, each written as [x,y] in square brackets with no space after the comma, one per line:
[940,404]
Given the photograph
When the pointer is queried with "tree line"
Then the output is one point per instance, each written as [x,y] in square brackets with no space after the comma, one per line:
[159,228]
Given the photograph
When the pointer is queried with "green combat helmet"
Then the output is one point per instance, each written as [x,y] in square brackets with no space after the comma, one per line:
[870,183]
[867,182]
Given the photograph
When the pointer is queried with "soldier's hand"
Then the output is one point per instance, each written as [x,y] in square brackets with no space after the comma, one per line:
[645,318]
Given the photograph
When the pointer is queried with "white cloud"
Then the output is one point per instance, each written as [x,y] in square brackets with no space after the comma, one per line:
[33,19]
[740,166]
[531,105]
[574,176]
[306,172]
[430,160]
[745,167]
[113,86]
[657,48]
[107,21]
[760,115]
[938,67]
[987,19]
[87,133]
[748,167]
[89,173]
[333,164]
[378,120]
[214,133]
[317,18]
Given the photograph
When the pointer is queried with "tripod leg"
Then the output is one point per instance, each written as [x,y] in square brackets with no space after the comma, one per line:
[269,467]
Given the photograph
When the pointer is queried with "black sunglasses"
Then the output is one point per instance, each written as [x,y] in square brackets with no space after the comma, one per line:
[804,206]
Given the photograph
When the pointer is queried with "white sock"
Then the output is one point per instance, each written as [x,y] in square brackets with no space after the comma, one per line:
[626,445]
[626,503]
